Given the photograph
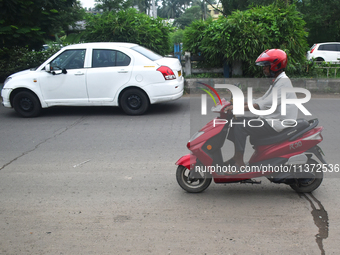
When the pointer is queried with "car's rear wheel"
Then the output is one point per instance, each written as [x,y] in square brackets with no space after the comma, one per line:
[319,59]
[26,104]
[134,101]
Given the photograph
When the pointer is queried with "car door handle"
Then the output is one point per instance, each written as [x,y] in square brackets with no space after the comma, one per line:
[122,71]
[79,73]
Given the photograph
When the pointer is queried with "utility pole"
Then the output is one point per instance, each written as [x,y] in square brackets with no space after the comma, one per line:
[154,10]
[205,10]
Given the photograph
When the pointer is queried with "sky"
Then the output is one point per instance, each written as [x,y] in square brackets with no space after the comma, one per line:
[87,3]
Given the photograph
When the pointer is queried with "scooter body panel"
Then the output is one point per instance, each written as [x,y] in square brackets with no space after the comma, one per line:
[287,148]
[207,146]
[189,161]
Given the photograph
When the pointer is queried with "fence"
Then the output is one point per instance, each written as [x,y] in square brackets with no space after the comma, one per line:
[329,67]
[188,59]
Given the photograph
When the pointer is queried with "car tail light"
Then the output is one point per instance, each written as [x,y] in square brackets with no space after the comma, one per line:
[311,51]
[167,73]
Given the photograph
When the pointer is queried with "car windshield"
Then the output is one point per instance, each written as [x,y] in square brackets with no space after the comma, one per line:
[147,53]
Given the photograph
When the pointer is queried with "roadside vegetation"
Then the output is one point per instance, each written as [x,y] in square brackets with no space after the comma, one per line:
[243,30]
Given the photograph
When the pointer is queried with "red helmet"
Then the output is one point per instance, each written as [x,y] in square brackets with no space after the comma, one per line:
[277,59]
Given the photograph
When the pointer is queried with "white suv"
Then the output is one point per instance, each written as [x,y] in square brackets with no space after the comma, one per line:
[329,52]
[96,74]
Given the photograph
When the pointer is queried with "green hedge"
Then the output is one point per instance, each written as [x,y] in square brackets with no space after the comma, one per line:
[129,26]
[243,35]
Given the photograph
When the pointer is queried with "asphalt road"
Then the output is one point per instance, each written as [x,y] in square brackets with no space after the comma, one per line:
[95,181]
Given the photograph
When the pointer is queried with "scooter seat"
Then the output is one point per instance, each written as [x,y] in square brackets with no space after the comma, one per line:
[282,136]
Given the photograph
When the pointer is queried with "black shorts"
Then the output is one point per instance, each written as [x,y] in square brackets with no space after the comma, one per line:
[240,129]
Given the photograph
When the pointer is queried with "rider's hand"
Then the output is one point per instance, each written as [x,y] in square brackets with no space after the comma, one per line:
[228,109]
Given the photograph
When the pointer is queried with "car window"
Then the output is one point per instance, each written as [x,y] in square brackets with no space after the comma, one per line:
[329,47]
[321,47]
[69,59]
[107,58]
[122,59]
[147,53]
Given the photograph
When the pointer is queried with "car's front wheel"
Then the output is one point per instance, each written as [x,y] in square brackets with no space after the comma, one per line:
[134,101]
[26,104]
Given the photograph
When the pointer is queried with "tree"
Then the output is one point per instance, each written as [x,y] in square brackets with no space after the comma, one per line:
[232,5]
[143,5]
[29,23]
[190,14]
[322,20]
[173,8]
[113,5]
[321,16]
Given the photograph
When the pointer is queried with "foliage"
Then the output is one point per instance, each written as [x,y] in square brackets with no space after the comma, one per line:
[73,38]
[232,5]
[190,14]
[204,75]
[16,59]
[194,34]
[171,9]
[129,26]
[176,36]
[243,35]
[29,23]
[116,5]
[142,5]
[322,18]
[317,70]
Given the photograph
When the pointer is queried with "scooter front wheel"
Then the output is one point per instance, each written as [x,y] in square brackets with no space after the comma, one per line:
[193,183]
[305,185]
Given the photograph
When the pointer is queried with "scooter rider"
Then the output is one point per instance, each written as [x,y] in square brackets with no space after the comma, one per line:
[273,62]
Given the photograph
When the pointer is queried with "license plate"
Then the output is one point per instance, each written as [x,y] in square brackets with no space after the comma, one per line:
[179,73]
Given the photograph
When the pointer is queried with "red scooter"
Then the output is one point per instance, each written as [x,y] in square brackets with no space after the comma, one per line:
[284,158]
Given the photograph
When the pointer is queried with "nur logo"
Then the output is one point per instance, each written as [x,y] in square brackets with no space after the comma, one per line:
[238,99]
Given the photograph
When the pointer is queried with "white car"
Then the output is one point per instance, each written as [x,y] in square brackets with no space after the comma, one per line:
[329,52]
[96,74]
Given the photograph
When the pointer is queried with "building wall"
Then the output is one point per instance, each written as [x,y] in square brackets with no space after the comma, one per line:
[213,12]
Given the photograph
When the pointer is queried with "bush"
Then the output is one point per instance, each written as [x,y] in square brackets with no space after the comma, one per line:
[16,59]
[193,36]
[129,26]
[176,37]
[243,35]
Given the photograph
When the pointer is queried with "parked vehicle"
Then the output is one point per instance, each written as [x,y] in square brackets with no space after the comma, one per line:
[329,52]
[289,157]
[96,74]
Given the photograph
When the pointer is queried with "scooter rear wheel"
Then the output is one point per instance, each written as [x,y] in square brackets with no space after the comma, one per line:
[310,184]
[192,184]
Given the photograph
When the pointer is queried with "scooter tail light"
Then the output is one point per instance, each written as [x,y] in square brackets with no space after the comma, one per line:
[317,136]
[168,74]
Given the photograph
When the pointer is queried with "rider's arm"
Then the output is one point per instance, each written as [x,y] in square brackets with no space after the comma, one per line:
[246,108]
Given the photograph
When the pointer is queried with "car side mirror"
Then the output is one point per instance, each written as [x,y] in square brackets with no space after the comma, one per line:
[48,68]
